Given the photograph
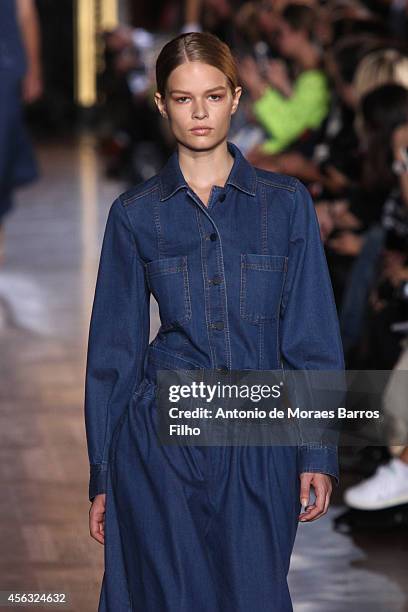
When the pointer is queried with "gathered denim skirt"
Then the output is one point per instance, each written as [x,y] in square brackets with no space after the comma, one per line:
[196,528]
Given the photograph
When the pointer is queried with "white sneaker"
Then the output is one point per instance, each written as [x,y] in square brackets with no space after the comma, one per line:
[386,488]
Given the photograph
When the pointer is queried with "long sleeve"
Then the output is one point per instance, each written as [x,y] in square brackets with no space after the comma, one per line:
[310,331]
[285,119]
[118,338]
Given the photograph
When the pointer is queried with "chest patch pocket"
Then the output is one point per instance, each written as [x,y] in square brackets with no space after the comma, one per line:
[169,283]
[262,279]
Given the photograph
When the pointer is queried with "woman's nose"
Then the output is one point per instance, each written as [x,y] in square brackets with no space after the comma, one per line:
[199,111]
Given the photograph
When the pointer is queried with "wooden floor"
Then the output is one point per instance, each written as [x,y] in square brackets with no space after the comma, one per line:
[53,242]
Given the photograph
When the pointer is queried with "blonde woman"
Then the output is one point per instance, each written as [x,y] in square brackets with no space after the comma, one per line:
[234,258]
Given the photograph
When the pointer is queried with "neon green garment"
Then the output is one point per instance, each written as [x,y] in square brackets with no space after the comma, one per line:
[285,119]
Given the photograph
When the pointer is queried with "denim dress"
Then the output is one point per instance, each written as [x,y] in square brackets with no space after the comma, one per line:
[241,284]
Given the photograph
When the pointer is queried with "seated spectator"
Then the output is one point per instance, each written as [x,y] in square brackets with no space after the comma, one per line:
[385,116]
[386,65]
[379,67]
[131,137]
[386,488]
[289,108]
[338,155]
[366,195]
[217,17]
[255,22]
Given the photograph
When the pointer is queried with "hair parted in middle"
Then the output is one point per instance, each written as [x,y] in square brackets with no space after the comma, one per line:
[195,47]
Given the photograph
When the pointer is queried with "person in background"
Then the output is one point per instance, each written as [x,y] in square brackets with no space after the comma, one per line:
[289,108]
[383,132]
[385,120]
[378,67]
[350,220]
[21,82]
[387,487]
[192,14]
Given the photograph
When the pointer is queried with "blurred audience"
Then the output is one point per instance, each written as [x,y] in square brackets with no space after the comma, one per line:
[290,94]
[324,99]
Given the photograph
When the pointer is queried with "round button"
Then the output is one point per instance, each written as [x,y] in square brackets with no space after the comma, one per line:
[213,236]
[222,197]
[218,325]
[217,280]
[222,369]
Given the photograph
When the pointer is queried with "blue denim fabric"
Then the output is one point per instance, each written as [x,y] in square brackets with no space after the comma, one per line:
[13,58]
[18,165]
[241,284]
[362,276]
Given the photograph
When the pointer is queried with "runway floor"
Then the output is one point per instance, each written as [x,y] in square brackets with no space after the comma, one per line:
[53,240]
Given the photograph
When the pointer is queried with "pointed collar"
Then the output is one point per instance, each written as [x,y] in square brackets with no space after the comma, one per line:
[242,174]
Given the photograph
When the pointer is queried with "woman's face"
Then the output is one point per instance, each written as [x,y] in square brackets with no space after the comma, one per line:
[197,96]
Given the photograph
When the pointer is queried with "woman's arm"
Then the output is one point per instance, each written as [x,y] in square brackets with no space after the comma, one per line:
[285,119]
[118,339]
[30,30]
[310,331]
[310,339]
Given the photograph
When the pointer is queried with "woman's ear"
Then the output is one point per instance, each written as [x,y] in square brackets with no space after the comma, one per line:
[237,95]
[161,105]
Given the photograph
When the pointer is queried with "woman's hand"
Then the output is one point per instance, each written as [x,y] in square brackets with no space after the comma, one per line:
[334,180]
[394,267]
[32,86]
[97,518]
[347,243]
[251,77]
[343,218]
[325,218]
[257,157]
[322,487]
[400,140]
[375,302]
[277,75]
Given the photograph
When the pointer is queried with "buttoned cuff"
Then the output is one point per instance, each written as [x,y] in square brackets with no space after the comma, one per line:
[97,479]
[318,458]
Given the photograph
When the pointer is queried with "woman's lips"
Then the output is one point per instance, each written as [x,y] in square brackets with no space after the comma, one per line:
[201,131]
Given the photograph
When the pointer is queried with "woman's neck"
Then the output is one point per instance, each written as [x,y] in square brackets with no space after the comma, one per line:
[203,169]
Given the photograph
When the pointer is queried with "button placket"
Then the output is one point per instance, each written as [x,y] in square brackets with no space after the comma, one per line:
[217,299]
[217,194]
